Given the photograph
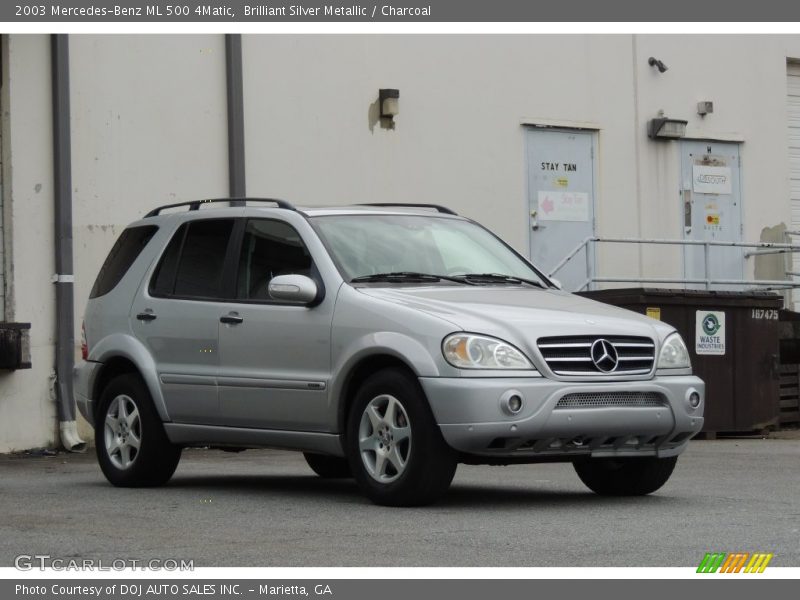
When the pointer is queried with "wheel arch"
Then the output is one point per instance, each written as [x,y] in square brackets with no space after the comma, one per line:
[120,354]
[358,374]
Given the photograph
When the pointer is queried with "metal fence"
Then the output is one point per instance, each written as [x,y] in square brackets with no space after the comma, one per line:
[758,248]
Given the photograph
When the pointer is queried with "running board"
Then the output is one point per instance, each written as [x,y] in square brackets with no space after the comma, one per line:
[183,434]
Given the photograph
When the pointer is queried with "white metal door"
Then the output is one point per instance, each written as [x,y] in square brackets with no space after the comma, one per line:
[793,124]
[561,201]
[712,211]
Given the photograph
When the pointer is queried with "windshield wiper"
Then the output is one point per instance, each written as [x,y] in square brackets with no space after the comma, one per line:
[499,278]
[407,277]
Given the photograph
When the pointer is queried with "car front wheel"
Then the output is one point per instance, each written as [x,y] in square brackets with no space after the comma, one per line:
[396,451]
[625,476]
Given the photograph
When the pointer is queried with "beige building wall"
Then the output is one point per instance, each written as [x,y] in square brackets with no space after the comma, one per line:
[27,411]
[149,128]
[745,77]
[312,135]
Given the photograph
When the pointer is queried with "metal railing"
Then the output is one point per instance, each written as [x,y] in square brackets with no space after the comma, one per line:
[707,281]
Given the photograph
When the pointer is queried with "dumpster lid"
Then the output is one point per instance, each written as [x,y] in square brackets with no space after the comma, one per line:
[647,295]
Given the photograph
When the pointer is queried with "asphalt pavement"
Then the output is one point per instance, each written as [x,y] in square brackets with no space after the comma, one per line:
[266,508]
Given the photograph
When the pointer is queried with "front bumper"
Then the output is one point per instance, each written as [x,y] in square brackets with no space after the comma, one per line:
[471,417]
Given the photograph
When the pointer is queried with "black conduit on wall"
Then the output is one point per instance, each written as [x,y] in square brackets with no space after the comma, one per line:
[62,193]
[233,73]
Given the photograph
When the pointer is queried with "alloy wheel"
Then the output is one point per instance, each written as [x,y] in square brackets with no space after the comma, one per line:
[123,432]
[384,438]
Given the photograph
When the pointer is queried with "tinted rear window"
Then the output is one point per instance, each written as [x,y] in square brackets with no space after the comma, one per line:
[125,250]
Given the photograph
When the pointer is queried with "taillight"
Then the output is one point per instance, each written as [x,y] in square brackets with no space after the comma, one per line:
[84,345]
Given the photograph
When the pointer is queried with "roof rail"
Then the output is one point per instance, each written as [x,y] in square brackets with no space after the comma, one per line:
[437,207]
[195,204]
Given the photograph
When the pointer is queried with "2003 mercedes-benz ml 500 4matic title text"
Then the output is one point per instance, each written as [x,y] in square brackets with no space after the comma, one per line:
[386,342]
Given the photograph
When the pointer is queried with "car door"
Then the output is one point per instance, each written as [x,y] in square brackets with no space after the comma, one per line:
[274,357]
[176,316]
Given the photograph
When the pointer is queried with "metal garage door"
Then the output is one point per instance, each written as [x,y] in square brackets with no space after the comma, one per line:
[793,115]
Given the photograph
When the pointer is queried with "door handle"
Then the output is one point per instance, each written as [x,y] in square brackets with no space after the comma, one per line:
[146,316]
[535,221]
[231,319]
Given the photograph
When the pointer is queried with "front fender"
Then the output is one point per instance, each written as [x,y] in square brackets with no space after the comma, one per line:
[385,343]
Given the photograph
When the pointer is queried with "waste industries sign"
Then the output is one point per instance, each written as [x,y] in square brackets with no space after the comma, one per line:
[709,332]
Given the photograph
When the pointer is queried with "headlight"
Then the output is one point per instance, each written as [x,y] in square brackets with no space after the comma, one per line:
[674,354]
[468,351]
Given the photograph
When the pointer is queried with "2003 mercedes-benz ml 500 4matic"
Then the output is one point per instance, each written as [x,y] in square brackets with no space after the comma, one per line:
[386,342]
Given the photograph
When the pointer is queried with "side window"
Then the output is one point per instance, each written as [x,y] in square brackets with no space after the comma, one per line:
[269,248]
[125,250]
[163,281]
[192,264]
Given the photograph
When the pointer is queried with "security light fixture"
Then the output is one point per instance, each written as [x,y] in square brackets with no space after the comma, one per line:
[389,101]
[662,128]
[705,107]
[654,62]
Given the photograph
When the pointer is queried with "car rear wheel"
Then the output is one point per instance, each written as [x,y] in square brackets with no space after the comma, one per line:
[625,476]
[132,447]
[328,467]
[396,451]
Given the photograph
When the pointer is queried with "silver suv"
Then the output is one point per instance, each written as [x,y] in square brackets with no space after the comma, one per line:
[386,342]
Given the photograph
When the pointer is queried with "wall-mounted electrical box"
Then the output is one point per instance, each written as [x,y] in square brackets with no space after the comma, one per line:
[15,346]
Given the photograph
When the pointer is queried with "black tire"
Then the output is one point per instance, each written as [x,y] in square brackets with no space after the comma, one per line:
[328,467]
[430,463]
[625,476]
[156,458]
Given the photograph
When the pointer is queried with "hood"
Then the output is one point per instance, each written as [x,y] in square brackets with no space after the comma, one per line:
[521,314]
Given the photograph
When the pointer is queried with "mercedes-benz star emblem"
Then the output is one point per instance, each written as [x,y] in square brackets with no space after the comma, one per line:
[604,355]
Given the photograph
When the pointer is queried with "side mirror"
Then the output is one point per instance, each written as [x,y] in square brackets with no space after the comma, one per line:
[556,283]
[293,288]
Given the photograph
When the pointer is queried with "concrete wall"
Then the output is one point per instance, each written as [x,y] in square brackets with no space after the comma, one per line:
[745,77]
[149,127]
[312,135]
[27,412]
[311,118]
[151,133]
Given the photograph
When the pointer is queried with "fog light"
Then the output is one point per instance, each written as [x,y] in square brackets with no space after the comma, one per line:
[694,399]
[511,402]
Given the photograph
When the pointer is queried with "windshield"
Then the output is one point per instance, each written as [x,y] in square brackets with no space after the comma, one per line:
[364,245]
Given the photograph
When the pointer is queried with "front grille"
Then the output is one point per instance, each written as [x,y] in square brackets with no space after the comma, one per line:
[572,355]
[611,399]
